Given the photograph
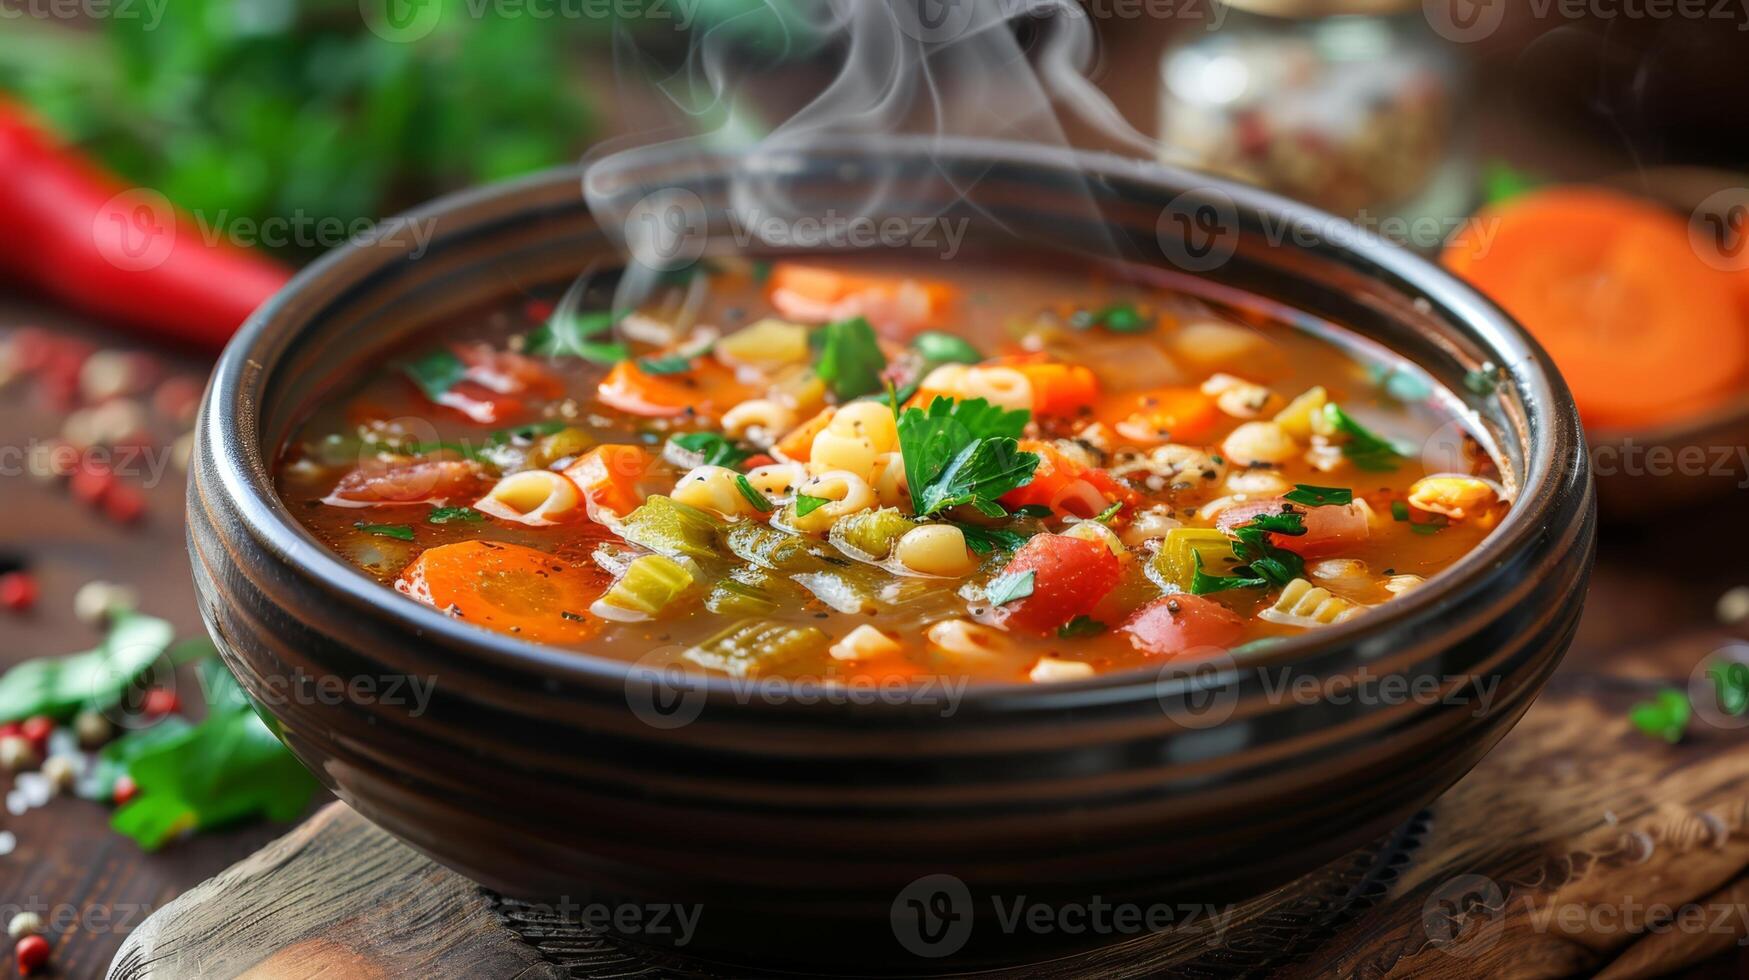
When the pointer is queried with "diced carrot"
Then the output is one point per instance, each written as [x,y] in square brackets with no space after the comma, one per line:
[706,390]
[798,445]
[1643,330]
[508,588]
[886,670]
[610,476]
[814,294]
[1060,390]
[1166,415]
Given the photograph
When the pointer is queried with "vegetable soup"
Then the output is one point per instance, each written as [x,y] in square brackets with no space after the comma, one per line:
[848,470]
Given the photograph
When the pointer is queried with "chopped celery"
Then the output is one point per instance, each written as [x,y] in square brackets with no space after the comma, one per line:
[767,547]
[871,534]
[740,596]
[673,529]
[648,586]
[841,592]
[1175,565]
[753,647]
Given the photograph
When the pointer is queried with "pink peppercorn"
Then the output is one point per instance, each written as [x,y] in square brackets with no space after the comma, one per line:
[160,701]
[18,591]
[91,481]
[32,953]
[36,730]
[124,790]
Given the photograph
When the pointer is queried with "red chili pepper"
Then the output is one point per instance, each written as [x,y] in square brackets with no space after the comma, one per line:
[82,235]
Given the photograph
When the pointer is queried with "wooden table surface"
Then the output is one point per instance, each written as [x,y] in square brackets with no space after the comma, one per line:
[1653,581]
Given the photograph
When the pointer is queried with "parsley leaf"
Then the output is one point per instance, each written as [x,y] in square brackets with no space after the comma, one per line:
[1010,588]
[1364,448]
[668,364]
[435,373]
[1312,496]
[1109,514]
[806,505]
[1665,716]
[985,540]
[851,361]
[716,448]
[573,336]
[1118,318]
[452,515]
[754,497]
[97,679]
[400,532]
[963,452]
[1260,563]
[1081,626]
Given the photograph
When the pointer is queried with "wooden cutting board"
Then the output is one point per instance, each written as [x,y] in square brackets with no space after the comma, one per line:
[1578,846]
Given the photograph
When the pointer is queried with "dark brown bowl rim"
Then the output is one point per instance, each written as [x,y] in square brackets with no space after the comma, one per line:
[245,477]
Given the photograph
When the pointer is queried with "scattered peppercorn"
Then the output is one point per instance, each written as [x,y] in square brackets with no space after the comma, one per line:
[24,924]
[36,730]
[18,591]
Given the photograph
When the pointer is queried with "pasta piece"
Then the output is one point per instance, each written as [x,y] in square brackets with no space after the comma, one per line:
[966,639]
[864,643]
[1303,604]
[935,549]
[1099,534]
[1452,495]
[1237,397]
[758,420]
[766,345]
[1259,444]
[845,493]
[713,488]
[779,481]
[1304,417]
[1056,670]
[537,498]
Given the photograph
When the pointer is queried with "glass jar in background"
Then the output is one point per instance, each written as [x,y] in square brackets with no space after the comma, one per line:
[1350,105]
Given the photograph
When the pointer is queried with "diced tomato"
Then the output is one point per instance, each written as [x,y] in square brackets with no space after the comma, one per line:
[1070,576]
[1183,623]
[396,485]
[1066,486]
[610,476]
[497,384]
[812,294]
[506,587]
[1328,529]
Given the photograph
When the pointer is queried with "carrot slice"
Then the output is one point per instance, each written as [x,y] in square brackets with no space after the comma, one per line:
[798,445]
[610,476]
[706,390]
[814,294]
[1643,330]
[1174,414]
[506,587]
[1058,390]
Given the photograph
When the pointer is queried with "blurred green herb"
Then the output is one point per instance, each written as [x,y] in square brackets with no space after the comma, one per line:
[61,686]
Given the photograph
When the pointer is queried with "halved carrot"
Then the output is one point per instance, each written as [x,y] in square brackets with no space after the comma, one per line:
[610,476]
[1643,330]
[814,294]
[1165,414]
[1060,390]
[506,587]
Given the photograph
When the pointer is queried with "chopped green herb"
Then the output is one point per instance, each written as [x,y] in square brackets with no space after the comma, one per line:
[1009,588]
[851,361]
[1501,181]
[1260,563]
[454,515]
[761,271]
[1036,511]
[806,505]
[1109,514]
[96,679]
[1202,583]
[435,373]
[754,497]
[1118,318]
[1081,626]
[1399,510]
[963,452]
[1399,383]
[1665,716]
[1438,524]
[945,348]
[987,540]
[574,335]
[1484,380]
[1312,496]
[400,532]
[717,449]
[1730,686]
[667,364]
[1364,448]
